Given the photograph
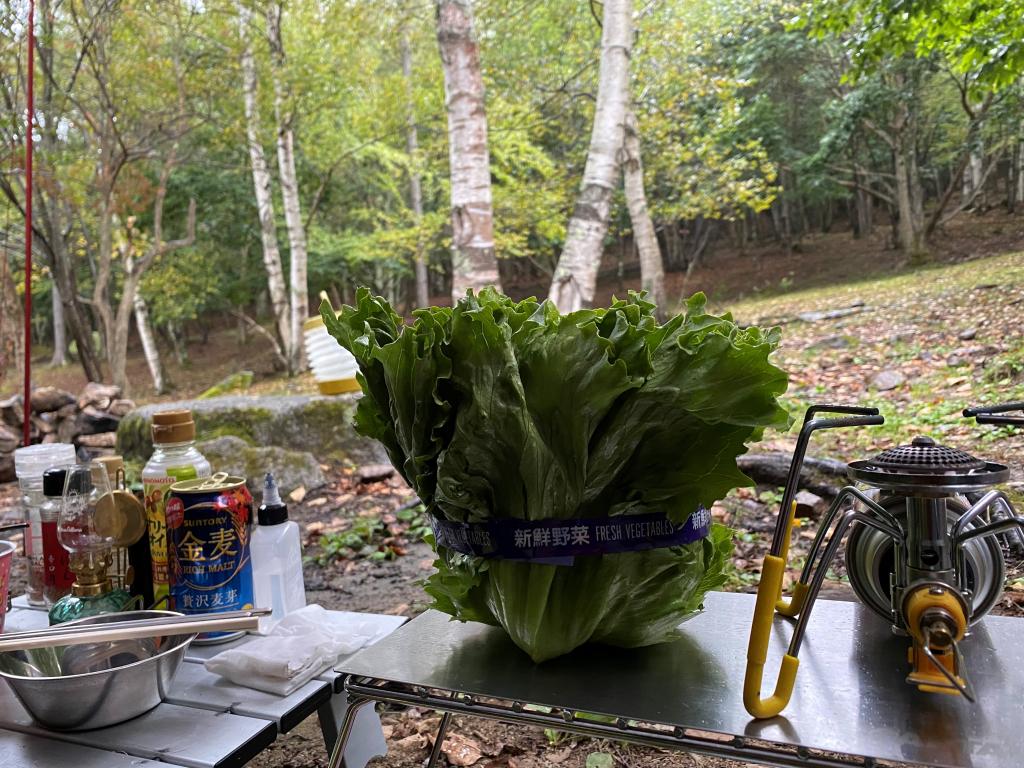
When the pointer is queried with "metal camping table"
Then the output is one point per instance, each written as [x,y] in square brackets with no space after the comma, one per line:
[851,705]
[205,721]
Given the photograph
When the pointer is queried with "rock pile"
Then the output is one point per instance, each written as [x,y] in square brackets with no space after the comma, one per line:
[89,421]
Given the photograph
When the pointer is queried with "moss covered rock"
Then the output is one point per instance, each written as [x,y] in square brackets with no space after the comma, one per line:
[319,425]
[291,469]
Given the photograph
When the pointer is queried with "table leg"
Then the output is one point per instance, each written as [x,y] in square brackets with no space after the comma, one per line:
[345,731]
[442,729]
[367,738]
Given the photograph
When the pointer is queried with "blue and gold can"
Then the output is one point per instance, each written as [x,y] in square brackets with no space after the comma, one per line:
[209,527]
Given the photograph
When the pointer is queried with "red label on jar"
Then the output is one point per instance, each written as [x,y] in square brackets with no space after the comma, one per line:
[56,568]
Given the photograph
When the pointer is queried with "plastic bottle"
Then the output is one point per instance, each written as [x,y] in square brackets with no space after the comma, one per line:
[57,574]
[276,559]
[29,464]
[174,458]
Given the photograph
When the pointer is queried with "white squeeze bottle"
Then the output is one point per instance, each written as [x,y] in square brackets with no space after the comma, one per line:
[276,559]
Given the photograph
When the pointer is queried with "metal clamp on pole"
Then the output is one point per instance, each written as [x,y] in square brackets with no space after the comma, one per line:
[857,416]
[769,591]
[996,414]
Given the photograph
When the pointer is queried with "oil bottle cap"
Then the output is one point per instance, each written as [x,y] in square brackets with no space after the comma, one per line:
[53,482]
[272,511]
[173,426]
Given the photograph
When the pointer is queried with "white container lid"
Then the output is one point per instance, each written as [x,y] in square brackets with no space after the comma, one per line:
[33,460]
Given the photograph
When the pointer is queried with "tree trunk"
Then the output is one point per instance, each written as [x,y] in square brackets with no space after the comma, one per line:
[415,190]
[652,271]
[12,354]
[975,168]
[177,343]
[1019,160]
[910,224]
[862,206]
[298,287]
[575,278]
[49,212]
[117,351]
[64,278]
[262,186]
[149,347]
[60,335]
[474,264]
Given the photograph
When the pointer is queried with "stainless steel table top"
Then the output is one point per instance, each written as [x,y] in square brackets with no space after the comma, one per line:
[850,695]
[205,721]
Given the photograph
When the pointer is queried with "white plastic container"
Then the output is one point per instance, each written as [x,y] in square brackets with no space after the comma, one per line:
[29,465]
[276,552]
[333,366]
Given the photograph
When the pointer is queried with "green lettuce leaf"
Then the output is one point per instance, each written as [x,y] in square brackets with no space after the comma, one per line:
[503,409]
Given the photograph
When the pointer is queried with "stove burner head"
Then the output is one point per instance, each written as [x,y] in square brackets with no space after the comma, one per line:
[925,467]
[925,455]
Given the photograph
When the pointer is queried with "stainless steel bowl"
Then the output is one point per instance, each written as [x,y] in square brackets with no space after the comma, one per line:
[93,685]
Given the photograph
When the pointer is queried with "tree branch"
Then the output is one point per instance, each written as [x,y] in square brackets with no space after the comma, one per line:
[259,329]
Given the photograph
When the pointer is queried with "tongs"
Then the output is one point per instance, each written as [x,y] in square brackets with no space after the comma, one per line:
[229,621]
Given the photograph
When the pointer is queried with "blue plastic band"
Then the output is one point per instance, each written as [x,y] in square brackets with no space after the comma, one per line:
[556,540]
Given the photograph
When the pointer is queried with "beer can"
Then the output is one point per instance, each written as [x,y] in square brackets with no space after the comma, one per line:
[209,527]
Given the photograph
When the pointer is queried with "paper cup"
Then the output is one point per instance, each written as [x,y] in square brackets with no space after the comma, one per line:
[7,550]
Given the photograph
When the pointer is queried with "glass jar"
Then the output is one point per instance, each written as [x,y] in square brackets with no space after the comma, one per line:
[29,464]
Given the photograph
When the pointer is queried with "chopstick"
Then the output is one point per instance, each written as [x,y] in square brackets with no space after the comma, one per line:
[129,630]
[72,628]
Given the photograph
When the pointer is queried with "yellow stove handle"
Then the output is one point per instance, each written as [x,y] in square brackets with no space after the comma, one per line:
[796,602]
[757,650]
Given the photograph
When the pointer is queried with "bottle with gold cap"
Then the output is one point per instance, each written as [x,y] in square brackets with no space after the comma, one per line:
[174,458]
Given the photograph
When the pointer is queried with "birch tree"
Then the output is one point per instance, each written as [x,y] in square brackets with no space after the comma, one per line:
[60,336]
[262,188]
[415,189]
[474,264]
[297,255]
[141,312]
[117,352]
[575,278]
[652,271]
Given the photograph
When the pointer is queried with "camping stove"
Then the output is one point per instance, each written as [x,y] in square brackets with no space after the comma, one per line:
[923,551]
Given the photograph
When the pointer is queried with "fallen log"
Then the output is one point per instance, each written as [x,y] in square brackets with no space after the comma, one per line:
[823,477]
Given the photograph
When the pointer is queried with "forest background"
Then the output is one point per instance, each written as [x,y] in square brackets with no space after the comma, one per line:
[211,164]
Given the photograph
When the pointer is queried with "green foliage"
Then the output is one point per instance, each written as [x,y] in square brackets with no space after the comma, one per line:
[701,158]
[354,542]
[979,39]
[742,106]
[370,538]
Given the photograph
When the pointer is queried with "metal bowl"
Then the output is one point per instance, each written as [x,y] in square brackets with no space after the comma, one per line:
[93,685]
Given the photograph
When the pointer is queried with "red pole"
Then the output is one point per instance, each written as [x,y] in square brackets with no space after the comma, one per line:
[26,426]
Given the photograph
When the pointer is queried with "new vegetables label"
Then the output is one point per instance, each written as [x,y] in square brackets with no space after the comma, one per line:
[498,410]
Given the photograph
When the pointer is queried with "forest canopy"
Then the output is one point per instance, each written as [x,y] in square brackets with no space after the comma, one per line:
[234,158]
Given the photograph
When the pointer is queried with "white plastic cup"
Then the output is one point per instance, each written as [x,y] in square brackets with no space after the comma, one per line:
[333,366]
